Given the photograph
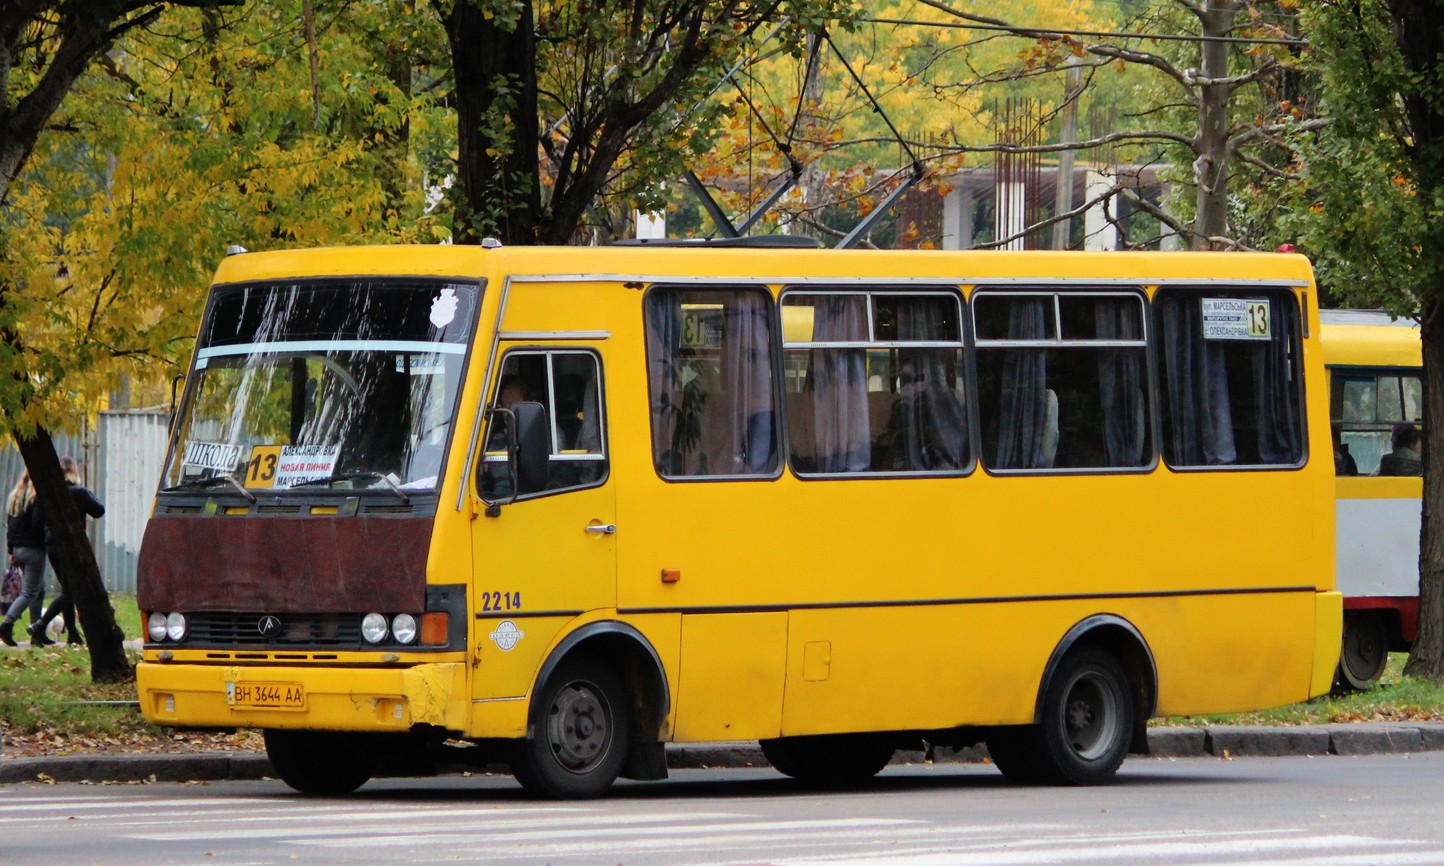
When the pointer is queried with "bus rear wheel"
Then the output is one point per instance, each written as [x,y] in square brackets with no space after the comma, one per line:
[830,759]
[1364,653]
[1087,724]
[327,763]
[578,735]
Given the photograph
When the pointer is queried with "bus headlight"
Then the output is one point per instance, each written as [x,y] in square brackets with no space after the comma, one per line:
[373,628]
[403,628]
[175,626]
[155,627]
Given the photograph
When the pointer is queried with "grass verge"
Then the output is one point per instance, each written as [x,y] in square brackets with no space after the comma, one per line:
[49,706]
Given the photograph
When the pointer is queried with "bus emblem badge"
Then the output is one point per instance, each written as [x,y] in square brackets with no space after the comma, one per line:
[269,626]
[506,635]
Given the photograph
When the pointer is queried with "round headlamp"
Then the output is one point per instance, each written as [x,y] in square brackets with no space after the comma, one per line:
[175,626]
[373,628]
[155,627]
[403,628]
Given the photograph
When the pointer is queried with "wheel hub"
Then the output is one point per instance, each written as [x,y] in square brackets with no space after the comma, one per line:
[1090,716]
[578,728]
[1080,715]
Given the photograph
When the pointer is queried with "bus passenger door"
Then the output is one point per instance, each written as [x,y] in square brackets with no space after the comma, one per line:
[550,555]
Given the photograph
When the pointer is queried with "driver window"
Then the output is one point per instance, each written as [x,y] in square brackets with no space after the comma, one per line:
[567,383]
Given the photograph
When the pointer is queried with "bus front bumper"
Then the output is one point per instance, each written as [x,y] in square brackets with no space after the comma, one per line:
[340,699]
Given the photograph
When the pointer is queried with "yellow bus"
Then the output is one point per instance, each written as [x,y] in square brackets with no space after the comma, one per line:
[1375,369]
[563,507]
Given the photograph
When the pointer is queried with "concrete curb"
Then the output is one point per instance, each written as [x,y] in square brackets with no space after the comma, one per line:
[1218,741]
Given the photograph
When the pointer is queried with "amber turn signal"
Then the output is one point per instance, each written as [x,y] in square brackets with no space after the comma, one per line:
[434,627]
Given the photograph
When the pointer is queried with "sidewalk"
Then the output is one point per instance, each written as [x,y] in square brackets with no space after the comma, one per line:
[1219,741]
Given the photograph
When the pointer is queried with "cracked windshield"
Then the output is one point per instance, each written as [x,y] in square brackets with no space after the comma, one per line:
[340,384]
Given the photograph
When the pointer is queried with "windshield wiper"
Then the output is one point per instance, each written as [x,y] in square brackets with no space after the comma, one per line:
[365,475]
[212,481]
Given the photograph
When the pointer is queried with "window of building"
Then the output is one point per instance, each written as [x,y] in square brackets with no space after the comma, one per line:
[709,374]
[874,382]
[1229,362]
[1062,380]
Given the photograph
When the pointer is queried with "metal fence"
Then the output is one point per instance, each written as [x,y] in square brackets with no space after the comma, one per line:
[121,458]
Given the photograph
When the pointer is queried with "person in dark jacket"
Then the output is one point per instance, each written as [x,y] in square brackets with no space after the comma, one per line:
[62,605]
[1408,442]
[25,538]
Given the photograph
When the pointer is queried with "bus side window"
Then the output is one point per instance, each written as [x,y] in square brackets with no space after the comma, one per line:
[1063,380]
[709,374]
[875,382]
[1231,388]
[567,383]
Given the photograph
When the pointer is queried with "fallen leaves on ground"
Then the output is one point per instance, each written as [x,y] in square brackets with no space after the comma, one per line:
[49,743]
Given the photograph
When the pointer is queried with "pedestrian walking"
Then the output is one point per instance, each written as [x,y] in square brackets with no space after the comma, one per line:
[62,605]
[25,539]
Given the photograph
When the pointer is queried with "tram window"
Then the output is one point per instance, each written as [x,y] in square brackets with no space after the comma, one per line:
[1365,406]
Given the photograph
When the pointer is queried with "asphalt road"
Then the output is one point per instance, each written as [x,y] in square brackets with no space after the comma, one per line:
[1328,811]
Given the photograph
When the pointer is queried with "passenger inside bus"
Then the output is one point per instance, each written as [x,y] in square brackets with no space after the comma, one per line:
[1408,443]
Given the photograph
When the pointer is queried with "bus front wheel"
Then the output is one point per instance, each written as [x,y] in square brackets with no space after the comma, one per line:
[578,733]
[831,759]
[1365,651]
[1086,727]
[327,763]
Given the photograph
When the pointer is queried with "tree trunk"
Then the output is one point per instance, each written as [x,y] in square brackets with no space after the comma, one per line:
[1420,36]
[74,559]
[1426,657]
[494,63]
[1211,151]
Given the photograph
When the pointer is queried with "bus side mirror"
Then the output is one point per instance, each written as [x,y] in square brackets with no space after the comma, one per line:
[530,452]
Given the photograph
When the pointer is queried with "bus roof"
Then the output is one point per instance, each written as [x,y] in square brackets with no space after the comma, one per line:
[644,262]
[1369,338]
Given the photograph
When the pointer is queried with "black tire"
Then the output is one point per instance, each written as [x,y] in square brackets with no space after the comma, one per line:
[327,763]
[1011,751]
[1364,652]
[578,734]
[831,759]
[1087,725]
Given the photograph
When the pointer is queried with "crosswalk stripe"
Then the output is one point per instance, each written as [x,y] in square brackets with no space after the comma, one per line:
[1048,851]
[331,813]
[146,804]
[1394,858]
[438,834]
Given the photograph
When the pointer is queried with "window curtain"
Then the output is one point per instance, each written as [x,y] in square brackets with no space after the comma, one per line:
[839,386]
[1279,439]
[1023,403]
[747,379]
[1121,384]
[930,417]
[1200,416]
[675,433]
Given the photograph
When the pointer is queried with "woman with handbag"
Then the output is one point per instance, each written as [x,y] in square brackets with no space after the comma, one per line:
[25,537]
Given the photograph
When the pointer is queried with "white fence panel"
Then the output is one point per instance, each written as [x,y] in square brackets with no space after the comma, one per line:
[131,449]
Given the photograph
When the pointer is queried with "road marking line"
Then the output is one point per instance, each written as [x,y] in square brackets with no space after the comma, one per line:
[1044,851]
[522,830]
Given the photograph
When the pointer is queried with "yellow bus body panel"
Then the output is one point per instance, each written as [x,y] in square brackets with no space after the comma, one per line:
[817,606]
